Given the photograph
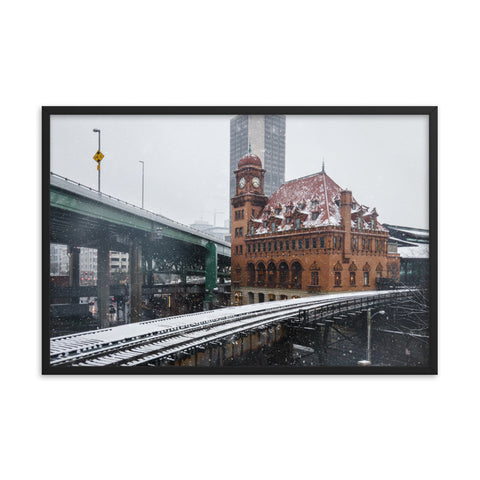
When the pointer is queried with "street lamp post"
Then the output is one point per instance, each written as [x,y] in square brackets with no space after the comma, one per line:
[143,181]
[96,130]
[370,317]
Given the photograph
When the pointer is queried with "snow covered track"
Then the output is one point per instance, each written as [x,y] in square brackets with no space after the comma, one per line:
[144,342]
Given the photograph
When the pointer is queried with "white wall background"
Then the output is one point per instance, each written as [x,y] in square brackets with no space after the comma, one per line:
[211,53]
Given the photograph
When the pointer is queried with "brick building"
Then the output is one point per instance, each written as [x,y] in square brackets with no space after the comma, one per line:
[308,237]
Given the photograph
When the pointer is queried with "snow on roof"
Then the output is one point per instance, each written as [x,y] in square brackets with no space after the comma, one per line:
[417,233]
[297,197]
[420,251]
[401,242]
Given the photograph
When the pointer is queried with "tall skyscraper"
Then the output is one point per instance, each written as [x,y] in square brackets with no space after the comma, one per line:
[266,136]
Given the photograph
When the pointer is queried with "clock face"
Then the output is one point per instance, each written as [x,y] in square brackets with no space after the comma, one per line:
[256,182]
[241,183]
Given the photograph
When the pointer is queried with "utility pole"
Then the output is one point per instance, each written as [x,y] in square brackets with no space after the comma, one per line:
[368,361]
[98,156]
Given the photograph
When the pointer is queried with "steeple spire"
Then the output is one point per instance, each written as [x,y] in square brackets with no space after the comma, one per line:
[323,166]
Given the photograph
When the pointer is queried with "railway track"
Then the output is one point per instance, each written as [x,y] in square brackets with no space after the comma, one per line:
[144,342]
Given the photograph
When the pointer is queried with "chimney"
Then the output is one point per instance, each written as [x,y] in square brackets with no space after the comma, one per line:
[346,214]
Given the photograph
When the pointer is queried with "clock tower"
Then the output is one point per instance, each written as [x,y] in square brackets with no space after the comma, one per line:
[248,202]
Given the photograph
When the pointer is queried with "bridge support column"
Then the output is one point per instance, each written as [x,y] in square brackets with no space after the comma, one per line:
[210,274]
[149,273]
[183,278]
[103,284]
[74,269]
[136,278]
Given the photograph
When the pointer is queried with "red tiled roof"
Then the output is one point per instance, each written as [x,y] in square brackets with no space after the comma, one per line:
[305,197]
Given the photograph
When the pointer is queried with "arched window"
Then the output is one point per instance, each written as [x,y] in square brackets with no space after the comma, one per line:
[337,270]
[250,274]
[296,275]
[271,274]
[366,275]
[353,277]
[236,274]
[261,274]
[314,276]
[283,274]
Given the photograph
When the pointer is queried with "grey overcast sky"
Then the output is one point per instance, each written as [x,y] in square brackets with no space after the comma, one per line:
[382,159]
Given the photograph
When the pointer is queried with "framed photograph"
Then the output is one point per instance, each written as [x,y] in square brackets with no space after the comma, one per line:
[239,240]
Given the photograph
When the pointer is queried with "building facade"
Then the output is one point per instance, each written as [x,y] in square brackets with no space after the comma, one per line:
[265,136]
[60,263]
[414,249]
[309,237]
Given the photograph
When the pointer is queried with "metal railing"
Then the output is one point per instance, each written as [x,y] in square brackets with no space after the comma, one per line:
[143,210]
[136,344]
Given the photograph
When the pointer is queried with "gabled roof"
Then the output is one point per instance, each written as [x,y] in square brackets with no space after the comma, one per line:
[312,196]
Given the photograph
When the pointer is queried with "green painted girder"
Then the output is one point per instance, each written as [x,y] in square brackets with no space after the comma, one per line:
[180,272]
[71,202]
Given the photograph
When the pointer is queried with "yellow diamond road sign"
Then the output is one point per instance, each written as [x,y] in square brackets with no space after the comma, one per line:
[98,156]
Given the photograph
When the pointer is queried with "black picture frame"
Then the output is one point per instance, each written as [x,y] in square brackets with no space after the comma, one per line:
[430,111]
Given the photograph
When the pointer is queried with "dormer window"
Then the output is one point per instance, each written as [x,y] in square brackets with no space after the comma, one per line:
[359,223]
[297,223]
[251,229]
[373,224]
[301,206]
[265,223]
[273,226]
[315,215]
[288,220]
[278,211]
[314,203]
